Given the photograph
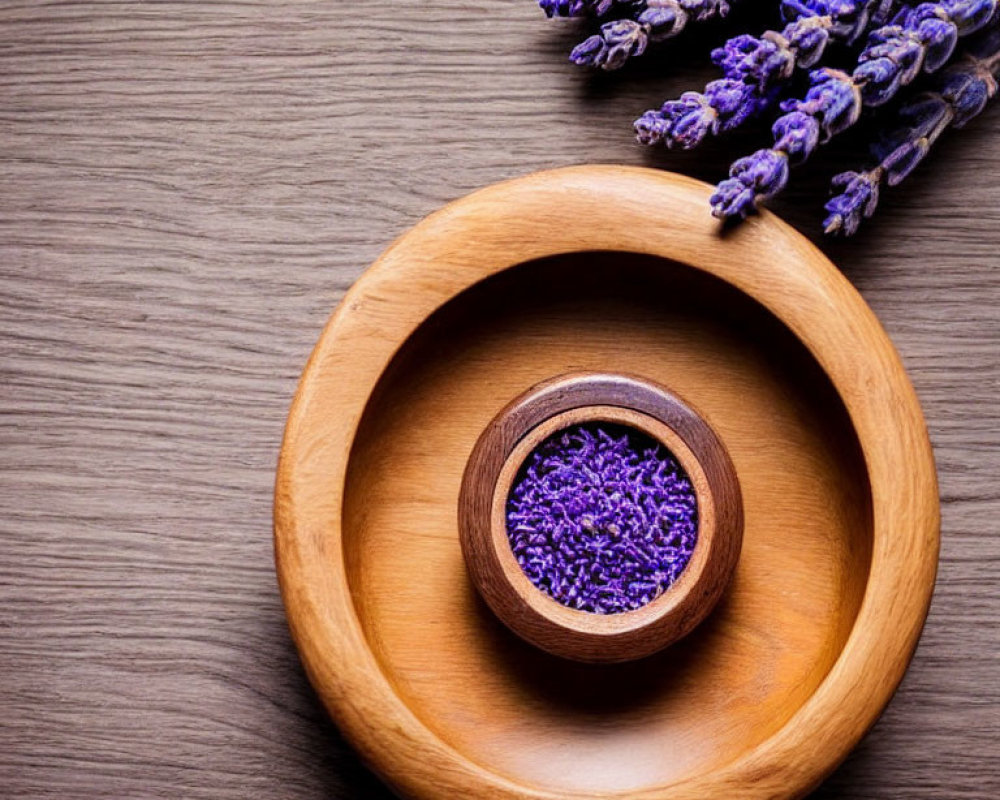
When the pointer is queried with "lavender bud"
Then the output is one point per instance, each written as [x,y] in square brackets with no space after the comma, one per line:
[858,199]
[579,8]
[833,98]
[662,22]
[969,15]
[967,94]
[691,119]
[796,134]
[808,40]
[649,21]
[613,46]
[752,178]
[588,51]
[733,198]
[651,128]
[733,102]
[753,60]
[938,39]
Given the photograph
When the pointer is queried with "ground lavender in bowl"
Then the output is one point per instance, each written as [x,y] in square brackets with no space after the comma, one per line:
[602,518]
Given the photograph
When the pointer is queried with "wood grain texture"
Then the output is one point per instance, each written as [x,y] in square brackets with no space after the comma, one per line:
[187,191]
[499,455]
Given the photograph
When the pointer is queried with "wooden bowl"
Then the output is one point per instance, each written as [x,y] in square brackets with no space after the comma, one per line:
[605,269]
[499,455]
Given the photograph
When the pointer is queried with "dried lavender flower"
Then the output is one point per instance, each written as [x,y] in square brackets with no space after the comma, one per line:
[959,94]
[753,68]
[919,39]
[651,21]
[602,518]
[582,8]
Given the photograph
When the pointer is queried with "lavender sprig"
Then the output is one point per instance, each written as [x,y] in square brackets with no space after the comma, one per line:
[919,39]
[960,94]
[753,67]
[651,21]
[583,8]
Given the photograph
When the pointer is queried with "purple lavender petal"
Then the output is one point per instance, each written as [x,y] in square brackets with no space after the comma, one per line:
[602,519]
[579,8]
[858,199]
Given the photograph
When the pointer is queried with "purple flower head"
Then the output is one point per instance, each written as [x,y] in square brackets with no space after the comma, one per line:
[899,50]
[589,51]
[760,61]
[858,199]
[751,179]
[733,198]
[687,120]
[651,127]
[833,98]
[576,8]
[602,519]
[967,15]
[733,102]
[879,80]
[662,22]
[807,38]
[613,46]
[701,10]
[938,37]
[796,134]
[966,91]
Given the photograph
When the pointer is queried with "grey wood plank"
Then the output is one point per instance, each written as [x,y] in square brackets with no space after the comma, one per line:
[187,190]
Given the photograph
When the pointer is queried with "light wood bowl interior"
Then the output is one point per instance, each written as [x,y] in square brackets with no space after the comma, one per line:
[799,583]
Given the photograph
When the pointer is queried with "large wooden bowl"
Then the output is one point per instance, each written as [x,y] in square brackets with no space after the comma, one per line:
[605,269]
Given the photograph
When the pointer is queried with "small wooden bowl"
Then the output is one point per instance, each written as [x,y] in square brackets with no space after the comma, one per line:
[494,464]
[605,270]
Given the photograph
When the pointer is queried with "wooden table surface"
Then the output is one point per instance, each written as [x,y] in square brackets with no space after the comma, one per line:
[186,190]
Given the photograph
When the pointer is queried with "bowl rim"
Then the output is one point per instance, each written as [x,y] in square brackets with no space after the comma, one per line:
[626,209]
